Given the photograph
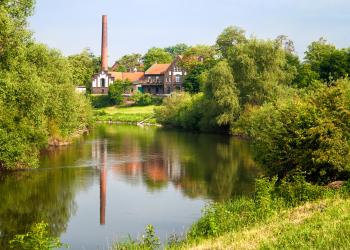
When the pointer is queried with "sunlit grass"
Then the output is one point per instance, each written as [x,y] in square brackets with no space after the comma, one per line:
[127,114]
[322,224]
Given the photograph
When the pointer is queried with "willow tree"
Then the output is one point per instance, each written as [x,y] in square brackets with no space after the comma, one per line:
[221,100]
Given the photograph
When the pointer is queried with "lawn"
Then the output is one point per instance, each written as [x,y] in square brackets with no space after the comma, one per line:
[126,114]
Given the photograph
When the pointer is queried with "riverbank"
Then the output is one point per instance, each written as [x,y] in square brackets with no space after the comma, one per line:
[323,224]
[290,215]
[126,115]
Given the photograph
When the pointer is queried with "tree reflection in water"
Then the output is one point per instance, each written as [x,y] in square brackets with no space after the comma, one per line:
[201,165]
[213,167]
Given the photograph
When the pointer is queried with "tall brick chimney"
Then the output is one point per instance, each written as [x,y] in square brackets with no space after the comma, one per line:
[104,46]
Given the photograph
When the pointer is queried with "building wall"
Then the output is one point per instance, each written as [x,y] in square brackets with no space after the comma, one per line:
[97,87]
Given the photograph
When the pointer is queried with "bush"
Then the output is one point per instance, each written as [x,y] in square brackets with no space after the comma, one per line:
[141,99]
[100,101]
[180,110]
[149,241]
[116,91]
[308,133]
[37,238]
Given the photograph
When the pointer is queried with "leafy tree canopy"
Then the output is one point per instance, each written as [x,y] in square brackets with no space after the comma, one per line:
[177,49]
[129,63]
[156,55]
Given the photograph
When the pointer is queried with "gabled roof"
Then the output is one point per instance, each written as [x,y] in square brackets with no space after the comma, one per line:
[157,69]
[131,76]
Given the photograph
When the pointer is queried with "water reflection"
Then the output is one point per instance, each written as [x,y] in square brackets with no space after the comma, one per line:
[208,166]
[140,175]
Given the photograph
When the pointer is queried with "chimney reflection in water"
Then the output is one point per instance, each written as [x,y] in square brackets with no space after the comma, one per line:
[99,154]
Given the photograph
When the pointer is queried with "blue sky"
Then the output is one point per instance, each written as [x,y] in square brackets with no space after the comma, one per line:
[137,25]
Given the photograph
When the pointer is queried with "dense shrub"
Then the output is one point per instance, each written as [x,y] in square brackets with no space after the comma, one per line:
[116,91]
[100,101]
[180,110]
[144,99]
[308,133]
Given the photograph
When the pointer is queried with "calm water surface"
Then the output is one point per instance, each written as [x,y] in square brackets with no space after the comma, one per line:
[118,179]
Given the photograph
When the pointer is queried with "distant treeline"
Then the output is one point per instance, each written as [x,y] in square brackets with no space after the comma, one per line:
[38,102]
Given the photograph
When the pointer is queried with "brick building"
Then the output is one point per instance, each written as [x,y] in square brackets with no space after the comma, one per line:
[159,79]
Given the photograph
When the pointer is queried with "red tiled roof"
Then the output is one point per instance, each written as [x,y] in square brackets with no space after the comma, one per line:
[157,69]
[116,75]
[131,76]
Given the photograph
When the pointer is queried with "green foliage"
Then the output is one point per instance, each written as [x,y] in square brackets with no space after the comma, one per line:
[36,92]
[269,198]
[323,61]
[149,241]
[156,55]
[229,38]
[197,61]
[221,97]
[213,110]
[141,99]
[194,79]
[100,101]
[38,238]
[128,63]
[309,133]
[177,49]
[180,110]
[259,67]
[116,91]
[198,55]
[83,67]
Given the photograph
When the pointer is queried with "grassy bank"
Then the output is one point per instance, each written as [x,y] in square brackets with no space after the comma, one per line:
[287,215]
[126,114]
[323,224]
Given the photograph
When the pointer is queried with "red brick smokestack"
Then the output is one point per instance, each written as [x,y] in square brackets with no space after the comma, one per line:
[104,47]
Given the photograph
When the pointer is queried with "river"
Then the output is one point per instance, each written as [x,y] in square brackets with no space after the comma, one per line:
[116,180]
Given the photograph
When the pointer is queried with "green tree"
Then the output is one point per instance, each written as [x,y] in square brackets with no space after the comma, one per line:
[259,67]
[156,55]
[83,67]
[197,61]
[221,98]
[317,51]
[116,91]
[129,63]
[30,74]
[177,49]
[229,38]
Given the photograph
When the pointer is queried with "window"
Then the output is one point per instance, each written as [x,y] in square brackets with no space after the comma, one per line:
[177,79]
[149,79]
[103,83]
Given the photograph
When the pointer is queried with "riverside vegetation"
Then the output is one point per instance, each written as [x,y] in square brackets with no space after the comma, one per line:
[39,105]
[297,116]
[296,113]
